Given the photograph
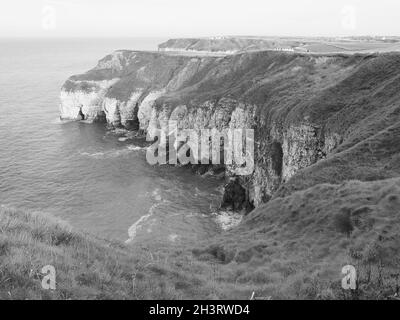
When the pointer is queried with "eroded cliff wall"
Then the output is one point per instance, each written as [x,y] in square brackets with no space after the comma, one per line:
[303,108]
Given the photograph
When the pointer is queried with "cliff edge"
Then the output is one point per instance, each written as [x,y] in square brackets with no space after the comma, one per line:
[317,118]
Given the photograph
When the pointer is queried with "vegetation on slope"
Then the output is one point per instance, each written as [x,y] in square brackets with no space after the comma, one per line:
[86,267]
[375,158]
[293,247]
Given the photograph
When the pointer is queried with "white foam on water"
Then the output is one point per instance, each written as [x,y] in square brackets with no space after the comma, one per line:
[86,121]
[173,237]
[122,139]
[156,194]
[61,121]
[132,231]
[112,153]
[64,121]
[118,131]
[96,155]
[132,147]
[227,219]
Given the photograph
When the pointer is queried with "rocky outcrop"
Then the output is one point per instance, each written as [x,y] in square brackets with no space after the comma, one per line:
[87,98]
[302,108]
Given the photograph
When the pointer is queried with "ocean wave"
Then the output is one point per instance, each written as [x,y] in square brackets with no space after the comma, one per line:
[86,121]
[97,155]
[133,147]
[118,131]
[133,230]
[61,121]
[173,237]
[157,194]
[112,153]
[65,121]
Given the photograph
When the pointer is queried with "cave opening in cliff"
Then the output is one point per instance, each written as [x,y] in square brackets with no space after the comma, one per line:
[277,158]
[135,121]
[101,117]
[80,114]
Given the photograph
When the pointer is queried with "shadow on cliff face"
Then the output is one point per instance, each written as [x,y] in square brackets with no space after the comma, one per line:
[80,114]
[236,197]
[277,158]
[132,123]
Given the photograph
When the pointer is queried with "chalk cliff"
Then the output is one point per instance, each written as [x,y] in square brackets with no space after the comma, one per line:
[317,118]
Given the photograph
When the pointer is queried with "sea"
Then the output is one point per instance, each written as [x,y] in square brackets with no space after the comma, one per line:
[95,179]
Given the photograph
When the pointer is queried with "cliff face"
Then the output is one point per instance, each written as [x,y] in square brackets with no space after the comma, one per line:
[307,111]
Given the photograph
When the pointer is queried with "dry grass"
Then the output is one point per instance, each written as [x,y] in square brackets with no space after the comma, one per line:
[295,247]
[291,248]
[86,267]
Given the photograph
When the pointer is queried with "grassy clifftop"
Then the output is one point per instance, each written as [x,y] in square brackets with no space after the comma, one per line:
[297,44]
[293,247]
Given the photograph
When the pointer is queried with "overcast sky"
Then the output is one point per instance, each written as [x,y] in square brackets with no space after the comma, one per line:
[183,18]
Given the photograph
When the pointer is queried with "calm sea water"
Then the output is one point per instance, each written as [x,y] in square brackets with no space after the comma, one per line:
[83,173]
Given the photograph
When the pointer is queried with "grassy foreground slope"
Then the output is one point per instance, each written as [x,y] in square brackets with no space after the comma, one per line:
[293,247]
[86,267]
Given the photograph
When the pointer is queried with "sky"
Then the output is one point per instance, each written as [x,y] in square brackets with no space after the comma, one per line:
[188,18]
